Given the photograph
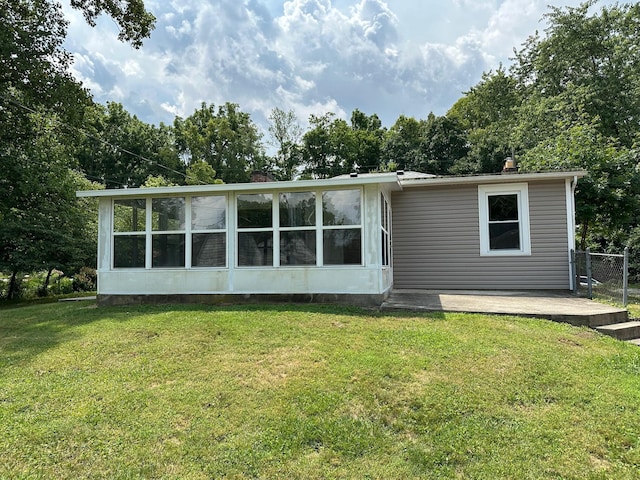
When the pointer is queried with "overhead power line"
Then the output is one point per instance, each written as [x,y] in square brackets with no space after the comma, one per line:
[95,137]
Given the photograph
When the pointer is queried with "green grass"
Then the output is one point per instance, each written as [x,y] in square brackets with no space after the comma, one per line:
[310,392]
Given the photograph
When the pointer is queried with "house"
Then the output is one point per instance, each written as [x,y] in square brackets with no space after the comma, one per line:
[346,239]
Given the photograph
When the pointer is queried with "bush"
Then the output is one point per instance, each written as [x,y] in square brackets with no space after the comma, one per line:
[85,280]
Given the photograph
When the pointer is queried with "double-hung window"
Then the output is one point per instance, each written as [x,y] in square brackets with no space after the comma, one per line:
[504,219]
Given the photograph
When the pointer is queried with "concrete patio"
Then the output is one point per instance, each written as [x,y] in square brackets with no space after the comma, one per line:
[556,306]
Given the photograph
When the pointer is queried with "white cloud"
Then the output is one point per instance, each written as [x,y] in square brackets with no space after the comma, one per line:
[387,57]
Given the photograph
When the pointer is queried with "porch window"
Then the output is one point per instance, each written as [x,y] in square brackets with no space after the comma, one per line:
[208,231]
[341,227]
[168,226]
[255,230]
[297,211]
[129,241]
[504,219]
[385,229]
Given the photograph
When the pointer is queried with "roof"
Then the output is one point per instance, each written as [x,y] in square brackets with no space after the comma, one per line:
[398,180]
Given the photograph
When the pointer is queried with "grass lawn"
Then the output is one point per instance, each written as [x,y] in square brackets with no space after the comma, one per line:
[310,392]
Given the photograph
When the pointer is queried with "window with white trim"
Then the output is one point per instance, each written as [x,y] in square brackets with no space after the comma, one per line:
[341,227]
[504,219]
[168,237]
[153,233]
[255,230]
[208,231]
[129,233]
[385,229]
[297,211]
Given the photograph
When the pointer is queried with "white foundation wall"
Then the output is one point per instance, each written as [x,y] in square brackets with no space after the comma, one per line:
[368,278]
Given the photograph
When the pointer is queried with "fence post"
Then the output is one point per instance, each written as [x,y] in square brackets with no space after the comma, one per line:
[574,275]
[589,282]
[625,277]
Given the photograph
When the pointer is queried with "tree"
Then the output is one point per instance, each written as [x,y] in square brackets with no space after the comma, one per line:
[119,150]
[402,144]
[41,108]
[201,173]
[134,21]
[43,226]
[226,138]
[443,143]
[333,147]
[285,132]
[596,54]
[487,113]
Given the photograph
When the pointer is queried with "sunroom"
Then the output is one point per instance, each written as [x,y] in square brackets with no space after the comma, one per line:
[316,240]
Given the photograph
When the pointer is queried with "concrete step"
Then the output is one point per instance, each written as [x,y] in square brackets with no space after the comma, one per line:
[621,331]
[635,341]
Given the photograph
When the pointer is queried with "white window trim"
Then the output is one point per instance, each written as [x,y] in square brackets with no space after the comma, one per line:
[522,192]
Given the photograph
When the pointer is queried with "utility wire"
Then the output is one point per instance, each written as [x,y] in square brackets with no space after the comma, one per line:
[90,135]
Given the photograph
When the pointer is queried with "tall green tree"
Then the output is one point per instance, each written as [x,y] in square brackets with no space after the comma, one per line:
[595,53]
[285,135]
[226,138]
[119,150]
[402,143]
[487,113]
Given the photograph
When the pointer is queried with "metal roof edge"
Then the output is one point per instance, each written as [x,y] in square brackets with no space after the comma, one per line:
[491,178]
[240,187]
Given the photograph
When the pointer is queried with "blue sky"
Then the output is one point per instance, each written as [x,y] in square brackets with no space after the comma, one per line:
[389,57]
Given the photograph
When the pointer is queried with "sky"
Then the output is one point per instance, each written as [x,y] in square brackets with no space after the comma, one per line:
[391,58]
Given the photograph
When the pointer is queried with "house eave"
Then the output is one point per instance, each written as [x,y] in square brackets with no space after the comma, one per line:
[390,178]
[492,178]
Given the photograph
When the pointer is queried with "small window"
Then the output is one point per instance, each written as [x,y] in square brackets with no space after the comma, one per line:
[504,219]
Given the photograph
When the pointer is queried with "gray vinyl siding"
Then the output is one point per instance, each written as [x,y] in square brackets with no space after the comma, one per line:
[436,241]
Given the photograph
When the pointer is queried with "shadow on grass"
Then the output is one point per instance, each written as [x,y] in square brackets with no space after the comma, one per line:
[28,330]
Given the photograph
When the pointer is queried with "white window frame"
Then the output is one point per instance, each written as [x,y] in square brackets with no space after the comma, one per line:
[148,232]
[521,190]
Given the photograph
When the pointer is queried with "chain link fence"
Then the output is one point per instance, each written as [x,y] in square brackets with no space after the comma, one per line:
[603,276]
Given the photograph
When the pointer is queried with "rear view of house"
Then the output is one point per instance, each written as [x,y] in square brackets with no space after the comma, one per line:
[346,239]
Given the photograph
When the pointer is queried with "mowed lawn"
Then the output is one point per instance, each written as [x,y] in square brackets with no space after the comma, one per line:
[310,392]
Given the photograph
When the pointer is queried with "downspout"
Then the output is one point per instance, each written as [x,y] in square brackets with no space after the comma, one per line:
[571,229]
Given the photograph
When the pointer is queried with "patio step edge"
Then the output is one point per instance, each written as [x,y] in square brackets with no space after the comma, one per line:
[622,331]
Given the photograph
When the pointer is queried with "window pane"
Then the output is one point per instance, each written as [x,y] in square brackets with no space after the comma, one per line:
[503,208]
[129,251]
[342,247]
[209,250]
[504,236]
[297,209]
[255,249]
[254,211]
[298,247]
[341,207]
[168,214]
[168,250]
[129,215]
[208,213]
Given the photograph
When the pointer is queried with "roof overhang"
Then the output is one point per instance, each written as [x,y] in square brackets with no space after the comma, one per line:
[492,178]
[339,182]
[393,180]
